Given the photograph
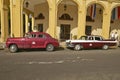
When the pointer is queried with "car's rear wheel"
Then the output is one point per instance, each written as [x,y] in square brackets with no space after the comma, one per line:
[50,47]
[13,48]
[105,47]
[77,47]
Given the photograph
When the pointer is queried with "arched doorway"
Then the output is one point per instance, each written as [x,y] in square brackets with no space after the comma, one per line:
[94,18]
[36,15]
[115,21]
[67,20]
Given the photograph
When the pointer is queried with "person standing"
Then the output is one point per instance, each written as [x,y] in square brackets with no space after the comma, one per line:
[112,36]
[116,36]
[117,39]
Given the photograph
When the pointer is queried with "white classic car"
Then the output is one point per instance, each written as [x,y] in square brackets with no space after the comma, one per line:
[93,41]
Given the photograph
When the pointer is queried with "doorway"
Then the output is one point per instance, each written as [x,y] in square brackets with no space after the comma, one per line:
[64,32]
[40,27]
[88,30]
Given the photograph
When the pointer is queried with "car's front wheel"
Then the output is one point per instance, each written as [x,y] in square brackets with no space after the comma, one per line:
[13,48]
[77,47]
[50,47]
[105,47]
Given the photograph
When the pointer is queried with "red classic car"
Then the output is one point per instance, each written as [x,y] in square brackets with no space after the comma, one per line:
[32,40]
[87,42]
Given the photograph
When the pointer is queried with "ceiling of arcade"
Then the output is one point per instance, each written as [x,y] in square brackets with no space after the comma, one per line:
[111,0]
[31,3]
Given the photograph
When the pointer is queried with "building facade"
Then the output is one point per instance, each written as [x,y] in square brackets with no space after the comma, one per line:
[62,19]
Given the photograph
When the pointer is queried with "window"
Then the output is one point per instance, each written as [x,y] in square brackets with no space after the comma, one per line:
[97,38]
[65,17]
[88,30]
[89,19]
[40,16]
[33,35]
[90,38]
[30,35]
[41,36]
[40,27]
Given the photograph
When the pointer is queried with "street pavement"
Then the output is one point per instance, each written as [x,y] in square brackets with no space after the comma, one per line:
[62,64]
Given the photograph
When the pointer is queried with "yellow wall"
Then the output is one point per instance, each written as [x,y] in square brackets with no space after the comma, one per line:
[16,18]
[97,24]
[42,8]
[72,11]
[115,27]
[0,19]
[53,9]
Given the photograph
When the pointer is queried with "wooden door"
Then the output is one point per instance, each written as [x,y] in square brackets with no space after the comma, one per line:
[64,32]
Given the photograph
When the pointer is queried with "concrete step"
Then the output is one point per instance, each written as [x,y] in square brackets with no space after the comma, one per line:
[2,46]
[62,44]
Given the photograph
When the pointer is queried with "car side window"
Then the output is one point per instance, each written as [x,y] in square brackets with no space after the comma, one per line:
[97,38]
[41,36]
[90,38]
[29,36]
[33,35]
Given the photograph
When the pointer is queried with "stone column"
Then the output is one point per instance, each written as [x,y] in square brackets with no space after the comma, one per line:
[52,19]
[33,21]
[26,23]
[106,22]
[4,23]
[0,18]
[16,18]
[81,19]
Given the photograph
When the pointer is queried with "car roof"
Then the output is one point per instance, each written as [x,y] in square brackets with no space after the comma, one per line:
[92,35]
[39,33]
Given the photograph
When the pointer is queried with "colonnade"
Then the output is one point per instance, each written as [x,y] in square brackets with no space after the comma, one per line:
[16,17]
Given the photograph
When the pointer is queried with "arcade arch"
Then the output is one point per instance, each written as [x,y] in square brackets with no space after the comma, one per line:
[115,20]
[33,20]
[67,19]
[94,18]
[48,13]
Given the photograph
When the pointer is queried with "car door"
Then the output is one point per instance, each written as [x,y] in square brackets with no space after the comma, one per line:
[31,41]
[97,43]
[41,40]
[88,42]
